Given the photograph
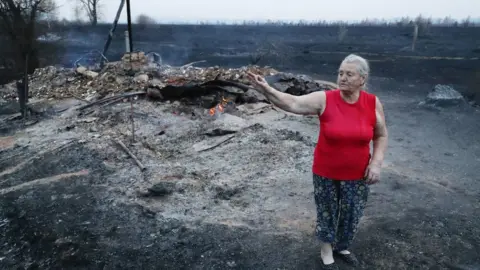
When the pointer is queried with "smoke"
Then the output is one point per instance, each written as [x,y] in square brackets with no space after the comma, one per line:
[222,45]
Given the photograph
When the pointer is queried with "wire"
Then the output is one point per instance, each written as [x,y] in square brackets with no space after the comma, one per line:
[95,59]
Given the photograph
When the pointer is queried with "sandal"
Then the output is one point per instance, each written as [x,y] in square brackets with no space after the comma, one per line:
[348,258]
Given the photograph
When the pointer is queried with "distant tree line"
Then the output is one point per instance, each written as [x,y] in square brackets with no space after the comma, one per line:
[90,9]
[404,21]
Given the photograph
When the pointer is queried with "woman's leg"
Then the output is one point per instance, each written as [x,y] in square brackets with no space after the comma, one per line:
[353,197]
[326,201]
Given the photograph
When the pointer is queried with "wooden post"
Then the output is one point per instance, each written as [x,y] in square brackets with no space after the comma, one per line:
[112,30]
[415,36]
[127,42]
[129,18]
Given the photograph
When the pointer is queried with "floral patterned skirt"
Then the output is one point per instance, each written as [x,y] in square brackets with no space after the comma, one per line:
[340,206]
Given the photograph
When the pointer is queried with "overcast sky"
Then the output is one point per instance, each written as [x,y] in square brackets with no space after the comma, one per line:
[291,10]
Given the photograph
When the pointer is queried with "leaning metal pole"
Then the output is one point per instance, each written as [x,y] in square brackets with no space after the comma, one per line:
[129,18]
[112,30]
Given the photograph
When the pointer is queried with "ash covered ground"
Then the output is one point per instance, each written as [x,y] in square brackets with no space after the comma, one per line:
[72,198]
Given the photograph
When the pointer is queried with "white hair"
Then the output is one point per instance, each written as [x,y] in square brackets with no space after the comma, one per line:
[363,67]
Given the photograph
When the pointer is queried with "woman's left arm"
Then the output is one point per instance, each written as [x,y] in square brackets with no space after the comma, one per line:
[380,137]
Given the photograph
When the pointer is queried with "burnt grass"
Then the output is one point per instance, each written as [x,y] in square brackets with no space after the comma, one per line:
[73,224]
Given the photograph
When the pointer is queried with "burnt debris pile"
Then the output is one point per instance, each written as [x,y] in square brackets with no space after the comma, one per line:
[136,75]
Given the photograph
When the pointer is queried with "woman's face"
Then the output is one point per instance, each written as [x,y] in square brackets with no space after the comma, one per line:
[348,77]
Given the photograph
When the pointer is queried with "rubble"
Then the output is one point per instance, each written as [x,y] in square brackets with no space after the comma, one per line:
[161,189]
[85,72]
[444,95]
[135,72]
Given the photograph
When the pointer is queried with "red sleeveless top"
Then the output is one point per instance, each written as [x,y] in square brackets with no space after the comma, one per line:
[346,130]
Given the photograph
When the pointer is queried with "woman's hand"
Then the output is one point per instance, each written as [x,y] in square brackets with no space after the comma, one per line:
[372,173]
[257,80]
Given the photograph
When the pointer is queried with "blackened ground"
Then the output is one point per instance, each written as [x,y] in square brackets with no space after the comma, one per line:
[70,225]
[46,163]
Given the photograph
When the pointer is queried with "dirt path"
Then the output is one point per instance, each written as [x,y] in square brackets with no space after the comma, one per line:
[245,204]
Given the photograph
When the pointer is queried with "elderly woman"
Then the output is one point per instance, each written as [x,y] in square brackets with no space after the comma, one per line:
[343,167]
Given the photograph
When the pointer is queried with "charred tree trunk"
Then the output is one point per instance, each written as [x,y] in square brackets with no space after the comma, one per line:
[29,60]
[94,18]
[91,8]
[29,64]
[33,61]
[26,86]
[22,98]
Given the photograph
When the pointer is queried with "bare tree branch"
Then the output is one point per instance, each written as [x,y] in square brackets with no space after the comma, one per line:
[91,7]
[18,19]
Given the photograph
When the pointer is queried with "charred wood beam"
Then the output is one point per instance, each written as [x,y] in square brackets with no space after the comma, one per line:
[112,30]
[219,82]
